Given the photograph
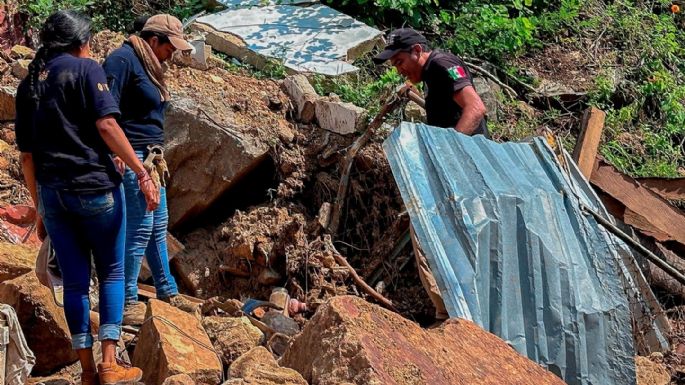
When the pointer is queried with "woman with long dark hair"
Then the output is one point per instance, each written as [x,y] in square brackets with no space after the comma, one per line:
[136,80]
[66,132]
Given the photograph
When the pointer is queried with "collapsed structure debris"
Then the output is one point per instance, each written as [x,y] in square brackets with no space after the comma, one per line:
[272,188]
[312,39]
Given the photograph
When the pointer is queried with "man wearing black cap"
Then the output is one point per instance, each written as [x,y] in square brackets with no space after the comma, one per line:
[451,99]
[451,102]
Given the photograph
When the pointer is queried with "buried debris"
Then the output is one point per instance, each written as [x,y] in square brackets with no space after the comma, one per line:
[351,340]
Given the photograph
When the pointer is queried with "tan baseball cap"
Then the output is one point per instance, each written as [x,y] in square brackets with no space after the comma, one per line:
[171,27]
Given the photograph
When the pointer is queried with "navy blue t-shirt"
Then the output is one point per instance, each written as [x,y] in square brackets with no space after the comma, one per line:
[68,151]
[140,101]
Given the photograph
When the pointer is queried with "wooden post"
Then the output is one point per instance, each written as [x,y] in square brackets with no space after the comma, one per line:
[588,142]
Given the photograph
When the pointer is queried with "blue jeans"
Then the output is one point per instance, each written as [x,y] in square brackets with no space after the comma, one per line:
[146,235]
[81,225]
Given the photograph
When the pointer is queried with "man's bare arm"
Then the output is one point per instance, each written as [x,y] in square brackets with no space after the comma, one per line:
[473,110]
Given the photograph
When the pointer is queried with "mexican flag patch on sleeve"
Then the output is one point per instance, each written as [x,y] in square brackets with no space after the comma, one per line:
[456,72]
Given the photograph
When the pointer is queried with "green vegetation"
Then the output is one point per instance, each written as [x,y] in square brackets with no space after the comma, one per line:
[637,49]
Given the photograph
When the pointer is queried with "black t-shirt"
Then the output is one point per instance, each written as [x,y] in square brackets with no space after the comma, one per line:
[68,151]
[443,75]
[140,101]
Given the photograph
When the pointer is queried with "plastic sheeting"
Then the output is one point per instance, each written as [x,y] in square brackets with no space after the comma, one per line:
[308,39]
[510,249]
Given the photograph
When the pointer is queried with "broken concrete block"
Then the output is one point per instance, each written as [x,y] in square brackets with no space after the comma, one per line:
[205,160]
[199,59]
[341,118]
[22,52]
[362,343]
[303,96]
[20,68]
[179,379]
[258,366]
[16,260]
[174,342]
[42,321]
[231,45]
[7,103]
[232,337]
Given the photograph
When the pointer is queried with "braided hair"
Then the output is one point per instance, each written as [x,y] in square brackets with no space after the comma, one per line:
[63,31]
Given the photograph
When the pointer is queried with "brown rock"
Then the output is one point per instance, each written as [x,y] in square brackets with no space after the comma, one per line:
[232,337]
[179,379]
[303,95]
[204,159]
[20,68]
[16,260]
[4,67]
[351,340]
[7,103]
[165,348]
[42,321]
[651,373]
[258,366]
[22,52]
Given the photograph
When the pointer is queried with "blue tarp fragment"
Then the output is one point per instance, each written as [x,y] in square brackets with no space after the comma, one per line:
[510,249]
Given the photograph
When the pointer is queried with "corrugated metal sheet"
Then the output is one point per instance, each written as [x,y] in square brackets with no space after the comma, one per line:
[511,250]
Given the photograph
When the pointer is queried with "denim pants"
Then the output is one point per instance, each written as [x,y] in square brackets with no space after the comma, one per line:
[81,225]
[146,236]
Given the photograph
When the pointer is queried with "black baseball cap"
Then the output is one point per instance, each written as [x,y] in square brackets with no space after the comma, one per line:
[399,40]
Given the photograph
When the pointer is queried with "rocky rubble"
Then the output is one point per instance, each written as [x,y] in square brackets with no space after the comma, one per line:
[42,322]
[361,343]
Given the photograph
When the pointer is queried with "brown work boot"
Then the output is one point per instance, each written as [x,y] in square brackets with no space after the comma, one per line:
[182,303]
[134,314]
[89,378]
[111,373]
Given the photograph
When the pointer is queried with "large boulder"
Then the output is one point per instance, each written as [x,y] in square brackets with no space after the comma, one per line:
[16,260]
[205,160]
[232,337]
[351,340]
[42,322]
[173,342]
[258,366]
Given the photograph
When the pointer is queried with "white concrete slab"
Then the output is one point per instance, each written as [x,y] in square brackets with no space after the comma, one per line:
[315,39]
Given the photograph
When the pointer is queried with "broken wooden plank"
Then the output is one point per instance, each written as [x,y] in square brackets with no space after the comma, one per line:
[672,189]
[588,142]
[148,291]
[645,210]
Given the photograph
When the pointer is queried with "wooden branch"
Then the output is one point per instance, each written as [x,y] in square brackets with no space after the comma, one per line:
[494,78]
[349,160]
[360,282]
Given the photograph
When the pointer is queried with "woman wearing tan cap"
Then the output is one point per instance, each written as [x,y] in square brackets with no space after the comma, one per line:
[136,80]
